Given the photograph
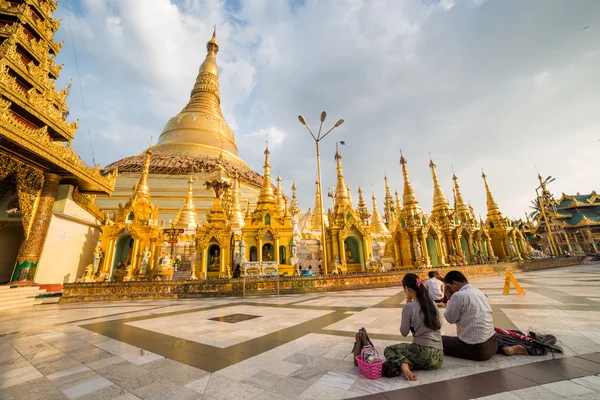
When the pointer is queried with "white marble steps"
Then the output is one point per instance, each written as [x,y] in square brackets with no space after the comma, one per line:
[16,297]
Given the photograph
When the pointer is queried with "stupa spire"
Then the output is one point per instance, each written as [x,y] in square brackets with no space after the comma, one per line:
[200,128]
[460,205]
[439,197]
[237,216]
[280,200]
[408,198]
[342,198]
[294,209]
[389,208]
[266,191]
[489,198]
[363,210]
[377,225]
[187,216]
[397,199]
[317,210]
[142,189]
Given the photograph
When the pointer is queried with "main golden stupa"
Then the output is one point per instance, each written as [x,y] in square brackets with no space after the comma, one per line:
[190,146]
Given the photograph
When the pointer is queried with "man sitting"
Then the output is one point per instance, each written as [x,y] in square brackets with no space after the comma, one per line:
[435,287]
[470,310]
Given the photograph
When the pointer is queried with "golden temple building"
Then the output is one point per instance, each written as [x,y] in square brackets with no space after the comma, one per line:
[47,210]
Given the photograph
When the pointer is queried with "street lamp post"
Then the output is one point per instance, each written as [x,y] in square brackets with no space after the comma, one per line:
[542,203]
[317,139]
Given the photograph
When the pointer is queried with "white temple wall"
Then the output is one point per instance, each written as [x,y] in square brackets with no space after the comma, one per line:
[70,243]
[169,192]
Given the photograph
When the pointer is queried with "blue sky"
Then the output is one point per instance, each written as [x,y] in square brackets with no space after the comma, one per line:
[500,85]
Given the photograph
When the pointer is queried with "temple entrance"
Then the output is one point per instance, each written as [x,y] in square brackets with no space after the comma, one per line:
[268,252]
[355,259]
[432,250]
[11,238]
[213,262]
[464,245]
[282,255]
[123,253]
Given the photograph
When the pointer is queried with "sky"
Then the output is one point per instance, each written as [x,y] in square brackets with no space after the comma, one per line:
[504,85]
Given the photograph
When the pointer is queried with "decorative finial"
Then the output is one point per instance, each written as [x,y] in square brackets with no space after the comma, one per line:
[214,31]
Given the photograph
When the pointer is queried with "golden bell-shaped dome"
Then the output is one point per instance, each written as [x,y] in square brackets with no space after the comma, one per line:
[200,127]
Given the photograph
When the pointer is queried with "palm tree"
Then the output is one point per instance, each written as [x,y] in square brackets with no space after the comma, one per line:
[537,209]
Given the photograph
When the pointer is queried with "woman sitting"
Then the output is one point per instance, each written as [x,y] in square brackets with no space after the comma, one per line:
[420,316]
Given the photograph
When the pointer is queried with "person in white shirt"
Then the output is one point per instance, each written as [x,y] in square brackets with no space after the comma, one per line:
[470,310]
[435,287]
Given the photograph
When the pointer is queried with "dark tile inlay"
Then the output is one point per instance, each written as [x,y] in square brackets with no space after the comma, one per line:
[234,318]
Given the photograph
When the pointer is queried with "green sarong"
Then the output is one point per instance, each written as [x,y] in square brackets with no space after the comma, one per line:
[415,355]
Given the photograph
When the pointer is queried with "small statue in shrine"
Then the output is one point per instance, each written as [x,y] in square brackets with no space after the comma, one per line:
[98,255]
[266,254]
[145,260]
[242,249]
[215,261]
[165,261]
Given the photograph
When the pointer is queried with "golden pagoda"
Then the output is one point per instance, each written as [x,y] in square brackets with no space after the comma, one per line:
[389,207]
[190,145]
[131,242]
[378,227]
[348,239]
[187,217]
[42,179]
[268,231]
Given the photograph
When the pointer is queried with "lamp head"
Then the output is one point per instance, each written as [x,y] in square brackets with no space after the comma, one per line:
[301,119]
[323,116]
[337,124]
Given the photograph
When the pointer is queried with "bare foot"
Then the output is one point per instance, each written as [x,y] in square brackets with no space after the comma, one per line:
[407,374]
[516,350]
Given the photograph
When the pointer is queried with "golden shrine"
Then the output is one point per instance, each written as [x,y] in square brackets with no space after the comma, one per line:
[46,191]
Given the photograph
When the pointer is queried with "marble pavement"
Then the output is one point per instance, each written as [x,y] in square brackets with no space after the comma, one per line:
[291,347]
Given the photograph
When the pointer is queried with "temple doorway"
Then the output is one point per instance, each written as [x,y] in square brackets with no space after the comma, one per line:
[355,259]
[11,238]
[464,245]
[268,252]
[432,250]
[253,254]
[123,250]
[213,262]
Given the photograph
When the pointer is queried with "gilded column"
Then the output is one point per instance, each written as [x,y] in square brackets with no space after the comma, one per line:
[108,257]
[470,244]
[31,248]
[425,251]
[490,249]
[259,251]
[440,250]
[222,261]
[204,263]
[397,259]
[277,251]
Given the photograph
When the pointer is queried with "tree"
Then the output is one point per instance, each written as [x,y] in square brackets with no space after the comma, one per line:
[536,209]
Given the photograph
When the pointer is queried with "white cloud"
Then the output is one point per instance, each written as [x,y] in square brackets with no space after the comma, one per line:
[489,84]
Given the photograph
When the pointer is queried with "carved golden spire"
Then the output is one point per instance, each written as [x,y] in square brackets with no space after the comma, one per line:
[266,191]
[342,199]
[363,210]
[142,189]
[349,195]
[279,194]
[377,225]
[317,211]
[237,216]
[489,199]
[440,200]
[187,216]
[294,209]
[200,127]
[389,208]
[398,204]
[460,206]
[408,198]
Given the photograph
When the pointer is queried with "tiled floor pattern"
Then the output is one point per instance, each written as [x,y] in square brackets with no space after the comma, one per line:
[297,347]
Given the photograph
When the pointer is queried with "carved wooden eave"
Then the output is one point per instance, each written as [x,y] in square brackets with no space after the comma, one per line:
[86,201]
[42,106]
[36,147]
[45,27]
